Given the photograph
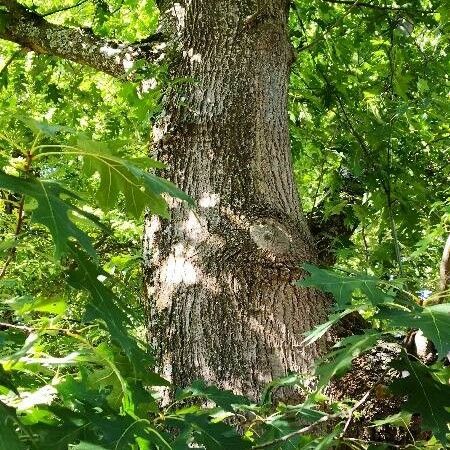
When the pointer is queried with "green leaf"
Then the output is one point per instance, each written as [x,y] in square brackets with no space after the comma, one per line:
[5,380]
[432,320]
[107,308]
[119,175]
[222,398]
[6,245]
[289,380]
[326,442]
[301,411]
[28,304]
[215,436]
[339,361]
[83,445]
[425,396]
[401,419]
[9,439]
[3,19]
[52,210]
[113,313]
[343,286]
[317,332]
[46,128]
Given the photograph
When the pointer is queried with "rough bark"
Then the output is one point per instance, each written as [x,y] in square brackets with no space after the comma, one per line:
[444,268]
[32,31]
[219,278]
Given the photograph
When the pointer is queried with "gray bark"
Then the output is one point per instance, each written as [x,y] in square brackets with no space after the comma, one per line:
[444,268]
[33,32]
[219,278]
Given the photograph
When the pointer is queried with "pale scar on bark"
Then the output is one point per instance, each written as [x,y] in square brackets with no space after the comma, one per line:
[271,236]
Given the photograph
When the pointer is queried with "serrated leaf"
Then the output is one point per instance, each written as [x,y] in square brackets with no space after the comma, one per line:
[289,380]
[215,436]
[45,128]
[222,398]
[343,286]
[8,438]
[432,320]
[326,442]
[119,175]
[339,361]
[28,304]
[104,307]
[425,396]
[52,210]
[109,310]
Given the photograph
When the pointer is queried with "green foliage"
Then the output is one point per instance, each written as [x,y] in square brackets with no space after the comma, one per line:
[140,188]
[432,321]
[370,142]
[339,361]
[342,286]
[52,211]
[425,394]
[367,109]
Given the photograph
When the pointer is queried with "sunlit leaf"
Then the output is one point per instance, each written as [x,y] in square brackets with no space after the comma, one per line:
[118,175]
[343,286]
[52,211]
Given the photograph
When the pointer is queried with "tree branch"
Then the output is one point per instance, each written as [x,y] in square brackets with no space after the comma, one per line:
[32,31]
[377,7]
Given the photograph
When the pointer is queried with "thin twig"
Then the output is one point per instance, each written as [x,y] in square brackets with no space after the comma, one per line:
[327,417]
[17,327]
[362,401]
[379,7]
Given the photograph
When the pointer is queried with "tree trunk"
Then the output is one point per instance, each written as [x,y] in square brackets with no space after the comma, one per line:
[219,277]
